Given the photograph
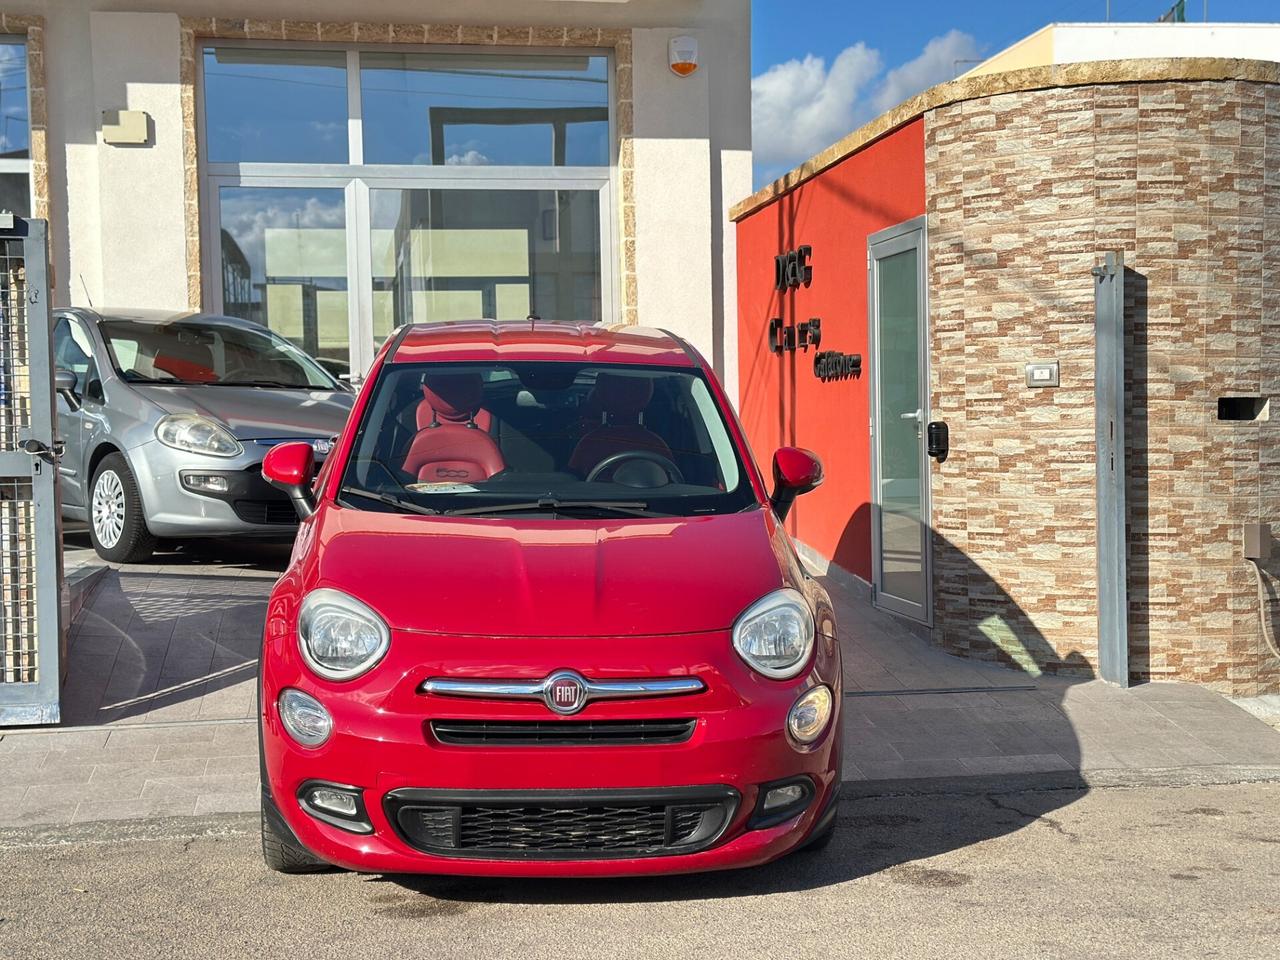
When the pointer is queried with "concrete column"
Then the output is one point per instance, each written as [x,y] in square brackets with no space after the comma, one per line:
[140,188]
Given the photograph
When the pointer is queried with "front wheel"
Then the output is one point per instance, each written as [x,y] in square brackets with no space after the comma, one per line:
[282,854]
[117,526]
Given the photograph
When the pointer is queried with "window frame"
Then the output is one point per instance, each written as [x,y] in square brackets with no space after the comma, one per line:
[356,179]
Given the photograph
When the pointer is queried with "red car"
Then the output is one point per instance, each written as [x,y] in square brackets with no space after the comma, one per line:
[542,619]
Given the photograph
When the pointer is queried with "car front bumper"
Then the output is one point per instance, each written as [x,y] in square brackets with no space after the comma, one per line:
[390,756]
[250,507]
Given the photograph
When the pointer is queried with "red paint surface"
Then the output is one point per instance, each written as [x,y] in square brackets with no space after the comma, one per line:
[519,598]
[781,402]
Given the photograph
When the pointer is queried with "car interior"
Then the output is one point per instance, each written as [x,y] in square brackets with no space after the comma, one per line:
[552,425]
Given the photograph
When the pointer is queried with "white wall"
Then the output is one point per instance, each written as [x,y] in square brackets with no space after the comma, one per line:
[142,238]
[1082,42]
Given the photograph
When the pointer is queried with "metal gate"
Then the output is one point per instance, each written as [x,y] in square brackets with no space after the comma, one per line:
[31,639]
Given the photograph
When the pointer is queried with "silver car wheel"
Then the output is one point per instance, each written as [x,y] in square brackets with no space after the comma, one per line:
[108,509]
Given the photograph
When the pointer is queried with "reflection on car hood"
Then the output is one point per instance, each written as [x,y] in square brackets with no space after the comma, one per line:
[552,578]
[251,413]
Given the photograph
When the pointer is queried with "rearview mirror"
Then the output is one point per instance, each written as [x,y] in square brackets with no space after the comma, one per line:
[291,466]
[795,471]
[64,381]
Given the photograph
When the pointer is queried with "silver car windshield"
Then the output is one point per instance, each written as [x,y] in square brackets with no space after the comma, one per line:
[209,352]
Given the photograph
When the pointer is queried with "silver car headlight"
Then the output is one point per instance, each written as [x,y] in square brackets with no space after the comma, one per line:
[340,637]
[775,634]
[196,434]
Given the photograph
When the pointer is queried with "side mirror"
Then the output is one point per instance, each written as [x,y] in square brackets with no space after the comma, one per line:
[795,471]
[64,381]
[290,466]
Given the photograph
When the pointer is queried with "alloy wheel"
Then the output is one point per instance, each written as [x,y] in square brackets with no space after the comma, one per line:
[108,509]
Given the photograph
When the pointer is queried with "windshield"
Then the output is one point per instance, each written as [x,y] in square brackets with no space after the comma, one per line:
[559,439]
[212,352]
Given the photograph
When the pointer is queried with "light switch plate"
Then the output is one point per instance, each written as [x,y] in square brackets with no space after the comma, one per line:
[125,127]
[1042,374]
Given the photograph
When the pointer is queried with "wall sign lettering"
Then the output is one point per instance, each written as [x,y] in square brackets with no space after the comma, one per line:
[831,365]
[791,269]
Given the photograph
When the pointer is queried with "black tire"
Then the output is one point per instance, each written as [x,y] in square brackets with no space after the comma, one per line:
[283,855]
[822,840]
[135,543]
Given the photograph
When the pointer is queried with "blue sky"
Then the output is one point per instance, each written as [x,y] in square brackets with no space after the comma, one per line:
[823,67]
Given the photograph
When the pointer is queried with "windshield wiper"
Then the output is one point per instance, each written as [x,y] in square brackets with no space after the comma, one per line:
[131,376]
[390,501]
[552,505]
[278,384]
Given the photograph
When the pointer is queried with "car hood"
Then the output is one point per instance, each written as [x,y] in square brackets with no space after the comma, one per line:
[552,578]
[253,413]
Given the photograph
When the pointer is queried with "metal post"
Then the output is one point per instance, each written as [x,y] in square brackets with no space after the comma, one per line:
[1109,382]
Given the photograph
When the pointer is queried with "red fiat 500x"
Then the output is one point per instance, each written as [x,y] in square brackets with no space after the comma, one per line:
[542,619]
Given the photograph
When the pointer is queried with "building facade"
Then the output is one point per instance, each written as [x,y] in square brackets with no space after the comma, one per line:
[950,246]
[333,173]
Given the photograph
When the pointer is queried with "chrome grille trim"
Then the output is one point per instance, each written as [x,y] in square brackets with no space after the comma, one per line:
[537,689]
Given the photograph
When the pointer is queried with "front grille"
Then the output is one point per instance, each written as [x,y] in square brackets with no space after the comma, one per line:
[545,825]
[265,511]
[561,733]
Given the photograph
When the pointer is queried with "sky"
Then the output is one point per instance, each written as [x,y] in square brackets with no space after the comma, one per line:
[821,68]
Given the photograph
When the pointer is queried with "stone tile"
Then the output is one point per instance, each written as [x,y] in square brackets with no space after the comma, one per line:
[39,813]
[911,769]
[1024,763]
[232,765]
[70,773]
[154,736]
[211,749]
[59,740]
[199,786]
[137,809]
[228,802]
[149,770]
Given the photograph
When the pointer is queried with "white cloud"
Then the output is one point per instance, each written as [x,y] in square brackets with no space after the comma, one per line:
[935,64]
[472,158]
[800,107]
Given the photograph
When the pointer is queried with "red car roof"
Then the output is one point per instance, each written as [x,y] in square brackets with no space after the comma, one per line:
[539,340]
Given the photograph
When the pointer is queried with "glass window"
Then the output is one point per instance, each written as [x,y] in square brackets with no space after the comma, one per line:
[458,109]
[73,351]
[275,106]
[15,193]
[15,137]
[501,437]
[219,353]
[501,254]
[284,265]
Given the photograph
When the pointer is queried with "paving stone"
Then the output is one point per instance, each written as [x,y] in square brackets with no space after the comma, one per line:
[1025,763]
[150,769]
[199,786]
[140,808]
[228,802]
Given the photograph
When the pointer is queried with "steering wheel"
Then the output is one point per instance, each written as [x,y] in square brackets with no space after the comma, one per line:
[673,472]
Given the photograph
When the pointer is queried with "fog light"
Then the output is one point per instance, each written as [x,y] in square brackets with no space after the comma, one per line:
[780,801]
[337,804]
[783,796]
[809,715]
[205,482]
[305,718]
[335,801]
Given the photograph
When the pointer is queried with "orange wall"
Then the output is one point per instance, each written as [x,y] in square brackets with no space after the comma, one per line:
[781,402]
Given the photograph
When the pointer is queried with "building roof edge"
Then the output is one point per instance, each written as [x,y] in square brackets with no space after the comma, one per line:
[1013,81]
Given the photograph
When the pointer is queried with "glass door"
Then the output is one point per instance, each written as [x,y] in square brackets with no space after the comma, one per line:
[900,403]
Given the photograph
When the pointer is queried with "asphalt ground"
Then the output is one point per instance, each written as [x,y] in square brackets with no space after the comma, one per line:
[997,870]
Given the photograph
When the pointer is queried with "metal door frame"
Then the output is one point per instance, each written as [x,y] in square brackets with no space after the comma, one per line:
[37,703]
[908,235]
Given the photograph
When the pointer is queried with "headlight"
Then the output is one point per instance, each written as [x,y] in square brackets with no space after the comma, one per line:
[809,715]
[305,718]
[775,634]
[186,431]
[340,637]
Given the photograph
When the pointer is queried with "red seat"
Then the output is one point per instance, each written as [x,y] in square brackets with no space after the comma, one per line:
[451,447]
[622,400]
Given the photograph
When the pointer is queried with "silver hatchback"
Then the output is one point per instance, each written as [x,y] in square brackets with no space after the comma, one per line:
[165,420]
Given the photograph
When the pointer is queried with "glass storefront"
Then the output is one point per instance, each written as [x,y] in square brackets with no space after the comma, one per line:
[347,192]
[15,128]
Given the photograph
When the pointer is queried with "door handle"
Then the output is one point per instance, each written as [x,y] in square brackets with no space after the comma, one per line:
[46,453]
[917,416]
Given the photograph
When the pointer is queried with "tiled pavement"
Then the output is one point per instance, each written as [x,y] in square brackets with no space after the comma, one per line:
[159,705]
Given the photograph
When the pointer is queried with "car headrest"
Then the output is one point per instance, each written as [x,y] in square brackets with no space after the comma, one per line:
[621,396]
[453,396]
